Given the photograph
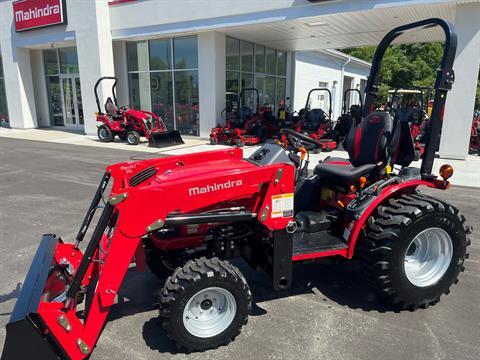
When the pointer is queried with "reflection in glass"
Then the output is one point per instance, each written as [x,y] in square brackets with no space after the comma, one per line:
[68,60]
[160,54]
[79,101]
[232,86]
[162,96]
[260,85]
[260,59]
[269,91]
[186,102]
[281,63]
[185,52]
[246,51]
[139,90]
[50,61]
[232,47]
[68,101]
[271,61]
[55,101]
[137,56]
[281,89]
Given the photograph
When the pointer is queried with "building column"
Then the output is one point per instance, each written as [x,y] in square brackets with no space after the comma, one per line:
[120,60]
[211,73]
[95,54]
[461,100]
[18,74]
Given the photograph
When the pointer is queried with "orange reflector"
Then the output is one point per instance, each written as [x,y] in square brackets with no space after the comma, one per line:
[303,152]
[446,172]
[353,188]
[363,181]
[339,203]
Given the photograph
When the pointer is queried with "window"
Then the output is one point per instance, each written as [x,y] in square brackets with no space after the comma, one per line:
[253,65]
[3,97]
[68,60]
[163,78]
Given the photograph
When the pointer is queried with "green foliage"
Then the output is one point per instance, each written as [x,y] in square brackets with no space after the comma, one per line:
[404,65]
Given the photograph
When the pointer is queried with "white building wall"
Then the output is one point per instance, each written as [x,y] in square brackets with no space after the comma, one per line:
[311,68]
[40,88]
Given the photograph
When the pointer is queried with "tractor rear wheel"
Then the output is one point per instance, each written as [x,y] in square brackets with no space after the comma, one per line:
[133,137]
[414,249]
[104,133]
[205,304]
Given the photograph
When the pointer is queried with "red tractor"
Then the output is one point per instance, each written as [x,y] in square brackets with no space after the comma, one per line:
[316,123]
[475,135]
[266,209]
[245,127]
[131,125]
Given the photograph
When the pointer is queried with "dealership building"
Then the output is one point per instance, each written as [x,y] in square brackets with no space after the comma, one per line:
[184,59]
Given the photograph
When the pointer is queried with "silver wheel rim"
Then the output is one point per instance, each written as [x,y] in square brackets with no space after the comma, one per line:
[102,134]
[131,139]
[209,312]
[428,257]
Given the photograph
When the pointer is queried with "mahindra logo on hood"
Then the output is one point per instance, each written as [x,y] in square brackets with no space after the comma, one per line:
[32,14]
[214,187]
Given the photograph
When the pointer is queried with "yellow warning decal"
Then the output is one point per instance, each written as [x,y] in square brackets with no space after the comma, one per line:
[282,205]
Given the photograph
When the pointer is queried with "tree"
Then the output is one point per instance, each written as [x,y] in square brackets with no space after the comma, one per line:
[404,65]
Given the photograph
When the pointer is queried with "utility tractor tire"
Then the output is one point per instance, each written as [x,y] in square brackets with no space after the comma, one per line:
[261,133]
[104,134]
[133,137]
[414,249]
[205,304]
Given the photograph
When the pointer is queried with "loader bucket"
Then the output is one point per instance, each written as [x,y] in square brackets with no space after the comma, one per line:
[165,138]
[27,336]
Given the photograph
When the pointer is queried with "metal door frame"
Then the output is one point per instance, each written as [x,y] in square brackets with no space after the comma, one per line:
[76,118]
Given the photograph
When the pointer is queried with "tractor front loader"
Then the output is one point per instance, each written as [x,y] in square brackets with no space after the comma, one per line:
[186,224]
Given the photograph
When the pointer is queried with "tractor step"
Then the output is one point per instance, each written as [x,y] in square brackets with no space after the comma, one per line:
[307,243]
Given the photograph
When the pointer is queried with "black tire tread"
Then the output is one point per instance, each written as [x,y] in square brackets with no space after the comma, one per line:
[386,225]
[190,273]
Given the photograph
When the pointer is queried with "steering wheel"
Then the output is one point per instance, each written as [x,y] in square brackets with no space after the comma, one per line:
[297,140]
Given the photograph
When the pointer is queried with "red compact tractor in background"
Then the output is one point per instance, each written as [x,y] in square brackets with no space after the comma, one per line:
[267,209]
[244,126]
[130,124]
[475,135]
[316,123]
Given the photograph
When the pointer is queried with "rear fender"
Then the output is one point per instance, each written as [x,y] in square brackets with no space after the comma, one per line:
[353,228]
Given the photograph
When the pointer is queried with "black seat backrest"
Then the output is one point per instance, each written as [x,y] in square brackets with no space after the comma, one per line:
[315,118]
[378,139]
[110,108]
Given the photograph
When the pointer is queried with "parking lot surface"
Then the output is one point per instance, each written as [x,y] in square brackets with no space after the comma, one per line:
[329,313]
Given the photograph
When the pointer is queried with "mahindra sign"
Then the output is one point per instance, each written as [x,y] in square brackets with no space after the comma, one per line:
[33,14]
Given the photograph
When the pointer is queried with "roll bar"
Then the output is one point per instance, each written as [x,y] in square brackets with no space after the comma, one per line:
[443,83]
[344,104]
[95,90]
[329,99]
[257,95]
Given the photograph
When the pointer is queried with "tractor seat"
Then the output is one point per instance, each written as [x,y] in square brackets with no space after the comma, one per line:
[111,110]
[371,145]
[343,173]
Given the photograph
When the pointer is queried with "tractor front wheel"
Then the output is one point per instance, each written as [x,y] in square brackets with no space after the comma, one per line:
[205,304]
[414,249]
[104,133]
[133,137]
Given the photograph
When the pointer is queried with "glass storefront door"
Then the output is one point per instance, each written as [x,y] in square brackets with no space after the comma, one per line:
[72,103]
[63,88]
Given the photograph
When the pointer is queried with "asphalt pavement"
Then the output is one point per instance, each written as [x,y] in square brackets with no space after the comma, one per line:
[329,313]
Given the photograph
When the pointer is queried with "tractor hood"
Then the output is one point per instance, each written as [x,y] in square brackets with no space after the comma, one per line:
[178,169]
[138,114]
